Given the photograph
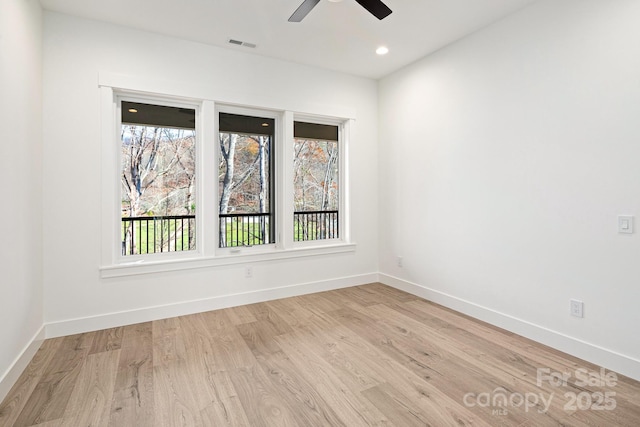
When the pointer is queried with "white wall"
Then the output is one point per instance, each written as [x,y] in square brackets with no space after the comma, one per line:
[21,185]
[505,159]
[75,52]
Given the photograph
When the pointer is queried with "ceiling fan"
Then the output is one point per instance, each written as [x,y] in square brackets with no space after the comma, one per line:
[375,7]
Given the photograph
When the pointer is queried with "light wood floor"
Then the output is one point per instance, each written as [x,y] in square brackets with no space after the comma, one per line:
[369,355]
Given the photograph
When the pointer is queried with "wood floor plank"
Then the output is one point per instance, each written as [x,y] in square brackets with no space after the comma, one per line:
[361,296]
[90,400]
[204,360]
[20,392]
[310,407]
[264,313]
[290,310]
[353,358]
[197,353]
[397,407]
[259,337]
[133,400]
[106,340]
[261,403]
[54,423]
[50,397]
[175,398]
[370,358]
[391,294]
[329,383]
[318,303]
[217,319]
[240,315]
[225,409]
[370,355]
[230,349]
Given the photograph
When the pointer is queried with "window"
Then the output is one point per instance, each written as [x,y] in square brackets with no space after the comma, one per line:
[158,176]
[246,210]
[191,183]
[316,181]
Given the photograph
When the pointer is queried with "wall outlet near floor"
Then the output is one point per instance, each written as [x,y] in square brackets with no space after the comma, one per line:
[248,272]
[399,261]
[576,308]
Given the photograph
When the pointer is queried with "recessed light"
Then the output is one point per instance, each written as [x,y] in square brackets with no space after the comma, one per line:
[133,110]
[382,50]
[265,125]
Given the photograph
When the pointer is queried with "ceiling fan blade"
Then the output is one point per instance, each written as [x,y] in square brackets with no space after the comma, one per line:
[303,10]
[376,8]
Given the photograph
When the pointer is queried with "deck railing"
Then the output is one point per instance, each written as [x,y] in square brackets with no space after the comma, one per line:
[154,234]
[315,225]
[245,229]
[173,233]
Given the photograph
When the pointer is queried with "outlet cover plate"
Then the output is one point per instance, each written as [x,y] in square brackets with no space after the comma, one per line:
[625,224]
[576,308]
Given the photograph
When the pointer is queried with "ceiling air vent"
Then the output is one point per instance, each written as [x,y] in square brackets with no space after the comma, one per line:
[241,43]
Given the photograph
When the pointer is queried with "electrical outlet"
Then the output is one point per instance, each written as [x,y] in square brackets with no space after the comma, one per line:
[248,272]
[576,308]
[399,261]
[625,224]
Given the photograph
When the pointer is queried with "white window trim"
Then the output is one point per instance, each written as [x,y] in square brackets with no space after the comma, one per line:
[207,254]
[174,255]
[343,203]
[148,266]
[278,137]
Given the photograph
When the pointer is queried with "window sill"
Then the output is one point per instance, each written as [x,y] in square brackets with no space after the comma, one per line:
[154,266]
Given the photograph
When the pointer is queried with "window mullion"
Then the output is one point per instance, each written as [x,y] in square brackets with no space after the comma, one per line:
[285,181]
[207,161]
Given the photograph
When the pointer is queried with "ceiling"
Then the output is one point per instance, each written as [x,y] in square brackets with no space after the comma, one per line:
[340,36]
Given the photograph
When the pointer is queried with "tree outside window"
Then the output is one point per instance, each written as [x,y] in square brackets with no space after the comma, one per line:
[316,181]
[158,164]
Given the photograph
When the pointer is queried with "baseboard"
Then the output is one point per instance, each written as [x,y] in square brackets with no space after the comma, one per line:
[112,320]
[9,378]
[600,356]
